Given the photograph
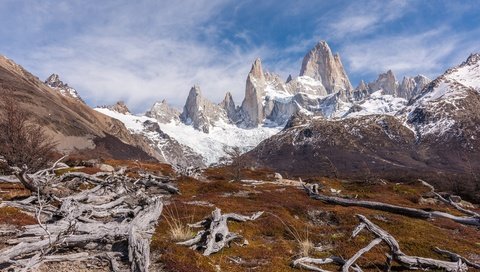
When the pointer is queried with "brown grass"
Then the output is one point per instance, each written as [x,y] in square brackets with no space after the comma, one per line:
[285,232]
[14,216]
[11,191]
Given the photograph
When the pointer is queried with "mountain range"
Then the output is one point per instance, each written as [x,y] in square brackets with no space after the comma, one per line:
[313,123]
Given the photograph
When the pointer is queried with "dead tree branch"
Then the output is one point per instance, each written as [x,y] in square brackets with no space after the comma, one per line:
[411,212]
[216,234]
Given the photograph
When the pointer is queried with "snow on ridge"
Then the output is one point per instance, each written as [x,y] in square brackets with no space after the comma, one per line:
[221,136]
[210,145]
[378,103]
[467,75]
[277,95]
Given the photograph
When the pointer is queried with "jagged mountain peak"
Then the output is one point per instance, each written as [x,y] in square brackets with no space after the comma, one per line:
[474,58]
[200,112]
[289,78]
[229,106]
[386,82]
[163,112]
[256,71]
[362,86]
[119,107]
[320,64]
[228,98]
[53,79]
[54,82]
[195,90]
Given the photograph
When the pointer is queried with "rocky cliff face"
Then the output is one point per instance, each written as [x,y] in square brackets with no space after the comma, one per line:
[252,109]
[322,65]
[163,112]
[54,82]
[119,107]
[410,87]
[228,105]
[387,82]
[199,112]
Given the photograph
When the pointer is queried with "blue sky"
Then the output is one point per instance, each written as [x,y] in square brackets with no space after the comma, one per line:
[143,51]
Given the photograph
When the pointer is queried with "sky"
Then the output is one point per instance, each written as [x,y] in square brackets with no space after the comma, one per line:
[149,50]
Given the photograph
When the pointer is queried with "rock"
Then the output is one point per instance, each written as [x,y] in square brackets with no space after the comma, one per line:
[289,78]
[163,112]
[361,92]
[229,106]
[322,65]
[200,112]
[427,201]
[335,191]
[54,82]
[410,87]
[119,107]
[252,106]
[105,167]
[278,177]
[386,82]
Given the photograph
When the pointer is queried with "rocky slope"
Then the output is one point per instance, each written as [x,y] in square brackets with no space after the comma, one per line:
[176,154]
[60,111]
[437,132]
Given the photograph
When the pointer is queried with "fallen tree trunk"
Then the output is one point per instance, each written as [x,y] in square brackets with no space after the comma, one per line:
[411,212]
[139,234]
[411,262]
[455,257]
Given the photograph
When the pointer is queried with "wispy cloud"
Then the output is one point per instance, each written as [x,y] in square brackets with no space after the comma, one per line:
[364,17]
[160,55]
[150,50]
[408,54]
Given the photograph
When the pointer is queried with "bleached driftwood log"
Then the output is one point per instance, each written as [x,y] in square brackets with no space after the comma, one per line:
[216,234]
[312,263]
[411,262]
[411,212]
[455,257]
[128,214]
[450,202]
[140,232]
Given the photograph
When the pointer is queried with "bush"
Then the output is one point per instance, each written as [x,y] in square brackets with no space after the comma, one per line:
[22,142]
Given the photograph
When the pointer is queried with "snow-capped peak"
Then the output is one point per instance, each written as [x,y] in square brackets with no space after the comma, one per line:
[54,82]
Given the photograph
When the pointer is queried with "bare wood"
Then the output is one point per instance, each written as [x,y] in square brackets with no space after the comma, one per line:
[139,235]
[455,257]
[413,262]
[359,253]
[311,263]
[73,224]
[216,234]
[449,201]
[81,175]
[411,212]
[9,179]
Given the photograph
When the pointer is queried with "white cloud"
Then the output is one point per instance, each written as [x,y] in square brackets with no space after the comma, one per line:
[158,56]
[362,17]
[408,54]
